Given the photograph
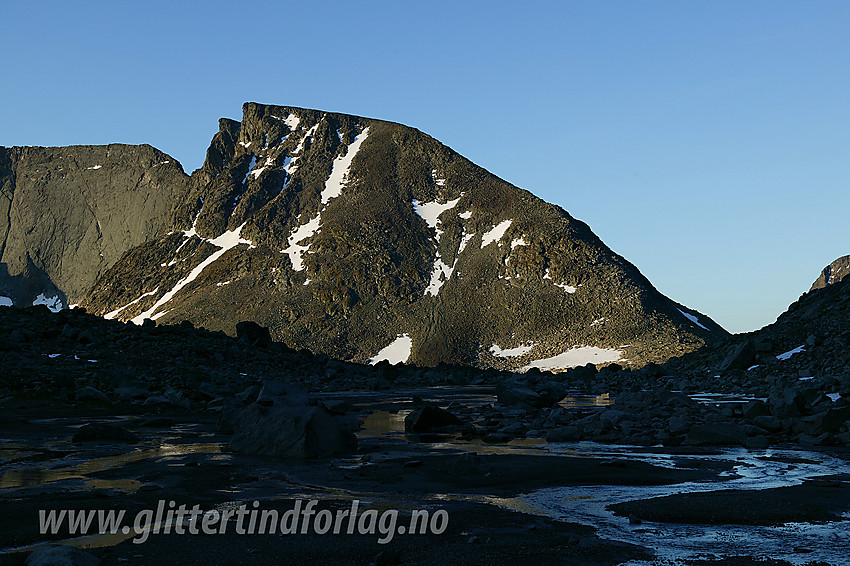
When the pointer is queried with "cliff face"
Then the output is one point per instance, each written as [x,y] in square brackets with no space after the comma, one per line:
[68,214]
[364,240]
[833,273]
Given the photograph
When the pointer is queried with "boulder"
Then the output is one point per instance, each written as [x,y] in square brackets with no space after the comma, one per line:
[768,423]
[511,394]
[282,431]
[741,356]
[89,394]
[253,333]
[281,393]
[428,418]
[755,408]
[564,434]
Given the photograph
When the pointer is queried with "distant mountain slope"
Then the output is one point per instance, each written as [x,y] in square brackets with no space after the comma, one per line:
[369,240]
[68,214]
[833,273]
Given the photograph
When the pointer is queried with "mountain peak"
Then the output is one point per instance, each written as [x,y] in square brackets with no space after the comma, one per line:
[368,240]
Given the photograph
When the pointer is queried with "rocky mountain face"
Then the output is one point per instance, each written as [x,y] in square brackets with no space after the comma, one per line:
[833,273]
[353,237]
[68,214]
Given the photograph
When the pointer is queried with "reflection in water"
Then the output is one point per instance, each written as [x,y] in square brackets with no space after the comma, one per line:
[384,423]
[13,479]
[573,402]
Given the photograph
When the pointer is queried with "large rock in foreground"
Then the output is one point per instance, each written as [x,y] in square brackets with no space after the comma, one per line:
[293,431]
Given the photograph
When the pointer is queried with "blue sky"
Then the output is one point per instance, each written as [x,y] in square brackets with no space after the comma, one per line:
[707,142]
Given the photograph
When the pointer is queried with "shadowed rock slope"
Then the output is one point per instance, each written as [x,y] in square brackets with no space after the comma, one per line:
[364,239]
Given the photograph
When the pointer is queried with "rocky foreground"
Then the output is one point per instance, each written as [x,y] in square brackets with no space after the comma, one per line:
[258,420]
[79,358]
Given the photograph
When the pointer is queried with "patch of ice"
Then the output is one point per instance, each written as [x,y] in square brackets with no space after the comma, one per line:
[53,356]
[341,165]
[295,249]
[224,242]
[753,367]
[95,168]
[308,134]
[518,242]
[466,215]
[790,353]
[440,273]
[692,318]
[511,352]
[431,211]
[495,234]
[53,303]
[292,121]
[6,302]
[834,396]
[113,314]
[577,356]
[463,241]
[397,351]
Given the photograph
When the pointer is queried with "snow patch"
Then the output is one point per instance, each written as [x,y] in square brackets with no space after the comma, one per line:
[439,181]
[466,215]
[53,303]
[431,211]
[834,396]
[790,353]
[599,321]
[292,122]
[295,250]
[397,351]
[511,352]
[495,234]
[224,242]
[578,356]
[333,188]
[518,242]
[113,314]
[95,168]
[692,318]
[341,165]
[6,302]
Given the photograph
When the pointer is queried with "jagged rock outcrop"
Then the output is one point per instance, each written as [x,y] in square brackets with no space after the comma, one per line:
[369,240]
[833,273]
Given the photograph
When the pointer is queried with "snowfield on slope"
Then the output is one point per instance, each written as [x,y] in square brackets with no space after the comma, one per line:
[397,351]
[578,356]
